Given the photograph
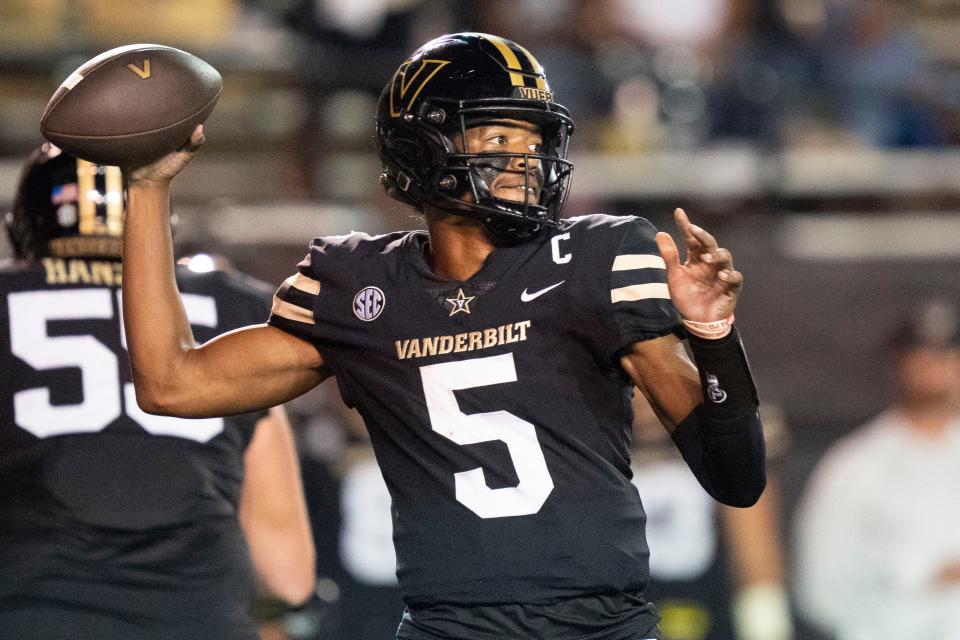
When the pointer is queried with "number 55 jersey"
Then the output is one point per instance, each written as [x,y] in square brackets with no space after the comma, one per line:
[114,523]
[497,407]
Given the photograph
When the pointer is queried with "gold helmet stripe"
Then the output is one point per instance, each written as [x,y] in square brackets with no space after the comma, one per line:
[511,59]
[86,185]
[114,195]
[537,68]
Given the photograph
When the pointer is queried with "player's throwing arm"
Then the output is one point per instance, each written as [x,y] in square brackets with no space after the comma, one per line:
[149,100]
[711,409]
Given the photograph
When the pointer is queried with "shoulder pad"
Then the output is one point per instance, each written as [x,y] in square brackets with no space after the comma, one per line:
[357,242]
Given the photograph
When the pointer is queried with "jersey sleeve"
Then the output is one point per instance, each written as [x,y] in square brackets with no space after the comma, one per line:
[639,297]
[295,302]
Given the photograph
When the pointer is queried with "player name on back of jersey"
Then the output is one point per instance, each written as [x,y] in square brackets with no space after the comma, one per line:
[461,342]
[107,273]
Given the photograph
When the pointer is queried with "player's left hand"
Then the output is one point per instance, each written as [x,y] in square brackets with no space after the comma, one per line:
[705,287]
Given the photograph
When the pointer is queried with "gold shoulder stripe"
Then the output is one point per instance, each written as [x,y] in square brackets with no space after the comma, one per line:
[637,292]
[627,262]
[303,283]
[291,311]
[510,58]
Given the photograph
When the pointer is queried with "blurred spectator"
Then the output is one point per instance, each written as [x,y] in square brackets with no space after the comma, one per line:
[656,56]
[349,22]
[765,74]
[716,571]
[879,75]
[878,548]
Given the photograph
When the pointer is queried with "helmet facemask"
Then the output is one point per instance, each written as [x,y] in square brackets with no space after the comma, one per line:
[467,176]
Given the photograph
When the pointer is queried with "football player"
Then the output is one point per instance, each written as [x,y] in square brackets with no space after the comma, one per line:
[492,356]
[115,523]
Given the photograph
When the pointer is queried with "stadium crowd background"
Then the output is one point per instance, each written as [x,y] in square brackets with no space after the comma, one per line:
[818,139]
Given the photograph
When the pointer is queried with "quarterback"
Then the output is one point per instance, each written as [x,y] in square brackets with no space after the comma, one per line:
[493,356]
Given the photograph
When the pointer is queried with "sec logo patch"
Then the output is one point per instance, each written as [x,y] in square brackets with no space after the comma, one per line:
[368,304]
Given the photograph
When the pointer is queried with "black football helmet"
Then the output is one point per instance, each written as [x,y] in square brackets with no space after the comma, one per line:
[66,207]
[459,81]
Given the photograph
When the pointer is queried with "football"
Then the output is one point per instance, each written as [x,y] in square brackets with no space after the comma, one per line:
[131,105]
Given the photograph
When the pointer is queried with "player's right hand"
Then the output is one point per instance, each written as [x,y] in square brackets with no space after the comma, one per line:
[165,169]
[705,286]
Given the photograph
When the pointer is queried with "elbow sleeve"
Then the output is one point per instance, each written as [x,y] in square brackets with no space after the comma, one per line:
[722,439]
[727,458]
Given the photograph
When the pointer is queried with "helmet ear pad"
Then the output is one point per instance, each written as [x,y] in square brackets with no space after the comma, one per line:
[407,155]
[389,185]
[429,172]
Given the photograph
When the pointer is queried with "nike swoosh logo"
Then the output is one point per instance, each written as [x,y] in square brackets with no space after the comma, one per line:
[527,297]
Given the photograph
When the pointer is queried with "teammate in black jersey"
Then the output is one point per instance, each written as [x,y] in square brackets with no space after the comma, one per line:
[115,523]
[492,356]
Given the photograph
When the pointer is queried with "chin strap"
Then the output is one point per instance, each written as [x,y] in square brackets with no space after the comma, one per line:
[505,230]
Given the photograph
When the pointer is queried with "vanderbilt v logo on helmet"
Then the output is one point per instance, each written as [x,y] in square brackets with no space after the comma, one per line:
[456,82]
[409,81]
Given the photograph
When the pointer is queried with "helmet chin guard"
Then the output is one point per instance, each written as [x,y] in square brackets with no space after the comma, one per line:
[448,86]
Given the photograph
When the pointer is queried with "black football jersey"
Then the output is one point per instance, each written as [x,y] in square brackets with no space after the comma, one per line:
[114,523]
[497,407]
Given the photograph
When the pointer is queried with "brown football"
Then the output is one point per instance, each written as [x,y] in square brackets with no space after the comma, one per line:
[130,105]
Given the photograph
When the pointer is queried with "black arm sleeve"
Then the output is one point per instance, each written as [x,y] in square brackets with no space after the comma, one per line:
[722,439]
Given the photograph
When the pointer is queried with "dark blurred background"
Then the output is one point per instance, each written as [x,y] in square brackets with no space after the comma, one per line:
[818,139]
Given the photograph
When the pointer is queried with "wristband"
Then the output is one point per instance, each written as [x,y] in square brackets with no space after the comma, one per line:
[710,330]
[728,387]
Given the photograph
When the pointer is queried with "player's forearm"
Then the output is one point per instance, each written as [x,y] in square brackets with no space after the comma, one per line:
[761,608]
[273,512]
[157,331]
[722,439]
[755,540]
[285,563]
[726,457]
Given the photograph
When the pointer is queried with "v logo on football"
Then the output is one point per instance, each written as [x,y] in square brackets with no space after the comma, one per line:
[143,73]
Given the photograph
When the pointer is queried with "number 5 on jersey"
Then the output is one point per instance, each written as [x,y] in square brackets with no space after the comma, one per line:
[535,484]
[30,312]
